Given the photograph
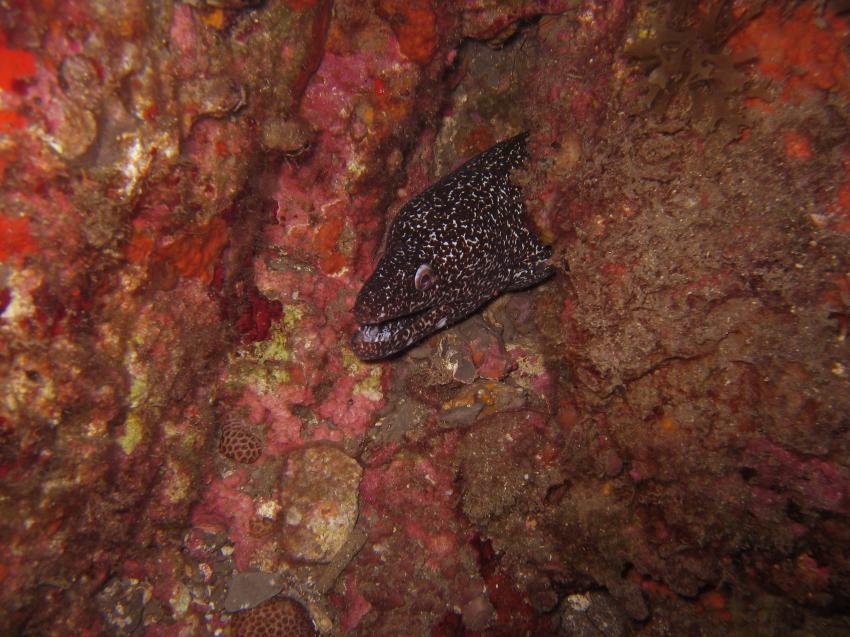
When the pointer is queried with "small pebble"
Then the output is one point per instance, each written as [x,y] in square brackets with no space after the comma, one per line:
[477,613]
[319,498]
[246,590]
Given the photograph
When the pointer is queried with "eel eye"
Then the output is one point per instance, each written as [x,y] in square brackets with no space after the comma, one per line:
[425,277]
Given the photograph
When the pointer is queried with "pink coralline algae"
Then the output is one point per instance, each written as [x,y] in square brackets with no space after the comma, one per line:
[810,482]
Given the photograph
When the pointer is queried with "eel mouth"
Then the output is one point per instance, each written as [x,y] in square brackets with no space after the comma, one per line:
[373,341]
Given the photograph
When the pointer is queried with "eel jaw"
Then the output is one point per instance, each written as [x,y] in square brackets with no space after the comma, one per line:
[373,341]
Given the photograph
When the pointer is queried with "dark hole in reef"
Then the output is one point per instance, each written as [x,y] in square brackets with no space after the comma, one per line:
[793,511]
[488,559]
[556,493]
[449,626]
[747,473]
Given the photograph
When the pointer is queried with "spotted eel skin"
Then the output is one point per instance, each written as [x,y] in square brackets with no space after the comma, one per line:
[450,250]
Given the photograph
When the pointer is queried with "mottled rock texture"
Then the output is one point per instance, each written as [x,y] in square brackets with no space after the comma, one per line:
[653,442]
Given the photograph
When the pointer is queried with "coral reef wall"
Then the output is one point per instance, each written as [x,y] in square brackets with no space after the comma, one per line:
[653,442]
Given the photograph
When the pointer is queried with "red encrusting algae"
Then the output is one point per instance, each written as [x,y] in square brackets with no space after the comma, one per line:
[256,320]
[804,54]
[15,65]
[414,25]
[16,239]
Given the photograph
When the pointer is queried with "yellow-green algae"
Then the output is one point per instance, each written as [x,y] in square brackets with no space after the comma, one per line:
[370,387]
[181,597]
[133,433]
[262,364]
[134,423]
[350,361]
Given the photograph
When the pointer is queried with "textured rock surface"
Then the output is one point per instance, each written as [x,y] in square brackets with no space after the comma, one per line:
[654,442]
[319,502]
[247,590]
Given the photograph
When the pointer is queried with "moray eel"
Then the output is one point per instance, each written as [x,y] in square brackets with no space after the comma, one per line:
[450,250]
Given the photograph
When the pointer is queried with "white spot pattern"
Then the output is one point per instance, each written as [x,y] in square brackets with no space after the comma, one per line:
[470,228]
